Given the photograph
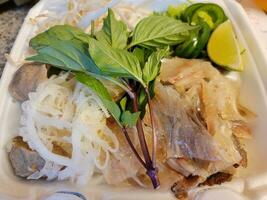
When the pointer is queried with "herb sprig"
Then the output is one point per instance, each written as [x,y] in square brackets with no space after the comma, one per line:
[130,60]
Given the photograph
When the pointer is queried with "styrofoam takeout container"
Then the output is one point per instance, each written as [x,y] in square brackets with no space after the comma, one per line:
[250,183]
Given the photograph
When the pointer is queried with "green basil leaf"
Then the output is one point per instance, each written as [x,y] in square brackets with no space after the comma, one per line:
[123,103]
[140,54]
[94,84]
[129,119]
[114,110]
[47,59]
[64,46]
[157,31]
[114,32]
[101,36]
[115,62]
[99,89]
[59,32]
[63,61]
[152,66]
[67,55]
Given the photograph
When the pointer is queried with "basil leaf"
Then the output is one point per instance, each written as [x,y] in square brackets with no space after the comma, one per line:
[101,36]
[114,32]
[98,88]
[152,66]
[140,54]
[114,110]
[63,46]
[47,59]
[123,103]
[157,31]
[129,119]
[68,55]
[126,118]
[59,32]
[115,62]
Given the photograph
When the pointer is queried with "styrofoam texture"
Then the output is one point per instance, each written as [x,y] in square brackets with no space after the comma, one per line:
[211,194]
[253,94]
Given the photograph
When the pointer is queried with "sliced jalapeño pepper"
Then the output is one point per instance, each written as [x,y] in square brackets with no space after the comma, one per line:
[203,38]
[189,11]
[210,13]
[205,15]
[187,49]
[195,44]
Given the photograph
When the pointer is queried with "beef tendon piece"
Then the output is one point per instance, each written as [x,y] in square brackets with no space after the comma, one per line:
[24,161]
[217,179]
[244,161]
[241,130]
[197,110]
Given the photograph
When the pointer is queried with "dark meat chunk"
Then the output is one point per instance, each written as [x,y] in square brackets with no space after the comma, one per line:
[181,187]
[26,79]
[24,160]
[217,179]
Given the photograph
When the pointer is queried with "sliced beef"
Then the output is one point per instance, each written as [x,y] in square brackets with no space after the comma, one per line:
[26,79]
[24,160]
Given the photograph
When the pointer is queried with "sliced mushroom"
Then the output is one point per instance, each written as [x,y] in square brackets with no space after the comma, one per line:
[26,79]
[24,160]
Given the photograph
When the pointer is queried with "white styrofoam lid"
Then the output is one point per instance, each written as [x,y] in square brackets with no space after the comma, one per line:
[252,92]
[219,194]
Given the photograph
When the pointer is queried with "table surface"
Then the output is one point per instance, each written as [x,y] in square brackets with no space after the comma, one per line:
[11,18]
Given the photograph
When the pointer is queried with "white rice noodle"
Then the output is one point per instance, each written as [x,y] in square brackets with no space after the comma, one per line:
[82,167]
[51,121]
[66,12]
[82,93]
[29,134]
[50,170]
[63,111]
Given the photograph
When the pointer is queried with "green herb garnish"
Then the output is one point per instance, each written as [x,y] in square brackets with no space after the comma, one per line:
[130,60]
[114,32]
[159,31]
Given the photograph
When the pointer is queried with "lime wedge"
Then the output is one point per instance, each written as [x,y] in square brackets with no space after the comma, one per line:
[224,49]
